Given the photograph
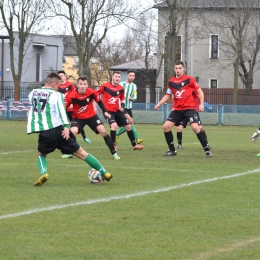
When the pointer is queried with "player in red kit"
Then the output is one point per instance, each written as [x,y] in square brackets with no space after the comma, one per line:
[184,123]
[65,88]
[184,107]
[84,112]
[114,101]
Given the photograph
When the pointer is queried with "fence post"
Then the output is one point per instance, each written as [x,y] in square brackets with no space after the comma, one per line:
[8,109]
[220,114]
[164,114]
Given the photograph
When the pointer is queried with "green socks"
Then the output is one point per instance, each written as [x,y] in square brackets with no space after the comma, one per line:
[42,164]
[122,130]
[135,132]
[94,163]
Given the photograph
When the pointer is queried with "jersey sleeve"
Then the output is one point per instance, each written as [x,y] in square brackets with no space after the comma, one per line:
[134,94]
[195,84]
[169,91]
[96,96]
[68,100]
[60,106]
[101,90]
[122,95]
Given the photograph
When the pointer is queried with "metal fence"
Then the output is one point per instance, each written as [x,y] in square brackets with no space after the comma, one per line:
[145,113]
[212,96]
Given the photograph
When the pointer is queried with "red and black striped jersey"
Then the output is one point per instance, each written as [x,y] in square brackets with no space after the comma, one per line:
[83,103]
[112,96]
[65,89]
[183,89]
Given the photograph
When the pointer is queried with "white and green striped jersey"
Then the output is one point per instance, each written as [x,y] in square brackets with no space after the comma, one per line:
[47,110]
[130,91]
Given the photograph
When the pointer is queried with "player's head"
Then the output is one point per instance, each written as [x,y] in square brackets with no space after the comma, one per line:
[179,68]
[63,76]
[116,77]
[82,84]
[53,80]
[130,76]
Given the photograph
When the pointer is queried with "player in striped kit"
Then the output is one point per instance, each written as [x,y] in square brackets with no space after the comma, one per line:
[130,97]
[48,117]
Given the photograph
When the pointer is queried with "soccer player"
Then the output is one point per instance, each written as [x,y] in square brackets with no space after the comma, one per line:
[130,96]
[114,102]
[254,138]
[65,88]
[182,86]
[184,123]
[255,135]
[48,117]
[84,113]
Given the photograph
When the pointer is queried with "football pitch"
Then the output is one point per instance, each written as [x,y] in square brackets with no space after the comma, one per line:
[183,207]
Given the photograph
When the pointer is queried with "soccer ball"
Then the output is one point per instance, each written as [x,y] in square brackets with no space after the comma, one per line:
[95,176]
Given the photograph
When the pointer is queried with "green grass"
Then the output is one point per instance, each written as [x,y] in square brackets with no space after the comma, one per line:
[182,207]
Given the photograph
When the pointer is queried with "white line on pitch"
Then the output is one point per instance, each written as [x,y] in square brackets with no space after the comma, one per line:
[127,196]
[20,152]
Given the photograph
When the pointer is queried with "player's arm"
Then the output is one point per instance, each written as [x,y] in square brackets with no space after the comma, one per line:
[68,101]
[201,97]
[133,96]
[162,101]
[122,105]
[60,105]
[101,105]
[100,91]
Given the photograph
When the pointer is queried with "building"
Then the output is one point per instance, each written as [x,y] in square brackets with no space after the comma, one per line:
[201,47]
[43,54]
[141,79]
[71,67]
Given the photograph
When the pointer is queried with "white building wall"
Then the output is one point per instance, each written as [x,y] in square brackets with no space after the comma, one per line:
[198,62]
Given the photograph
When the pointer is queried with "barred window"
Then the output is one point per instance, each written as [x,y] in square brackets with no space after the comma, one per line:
[213,83]
[214,46]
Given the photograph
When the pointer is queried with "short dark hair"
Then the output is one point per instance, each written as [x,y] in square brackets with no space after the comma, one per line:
[116,72]
[62,72]
[179,62]
[52,77]
[84,77]
[130,71]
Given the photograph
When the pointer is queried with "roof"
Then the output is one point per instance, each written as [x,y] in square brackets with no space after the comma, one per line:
[137,64]
[211,4]
[70,46]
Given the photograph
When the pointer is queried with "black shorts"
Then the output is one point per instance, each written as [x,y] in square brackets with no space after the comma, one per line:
[185,121]
[118,117]
[128,111]
[52,139]
[178,116]
[92,122]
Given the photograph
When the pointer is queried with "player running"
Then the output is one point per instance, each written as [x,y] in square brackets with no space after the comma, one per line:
[48,117]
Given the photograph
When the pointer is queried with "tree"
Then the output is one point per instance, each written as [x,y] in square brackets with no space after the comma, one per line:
[137,43]
[239,26]
[21,17]
[145,38]
[178,14]
[117,51]
[85,18]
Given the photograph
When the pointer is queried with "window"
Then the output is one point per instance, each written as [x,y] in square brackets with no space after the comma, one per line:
[213,83]
[38,64]
[214,46]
